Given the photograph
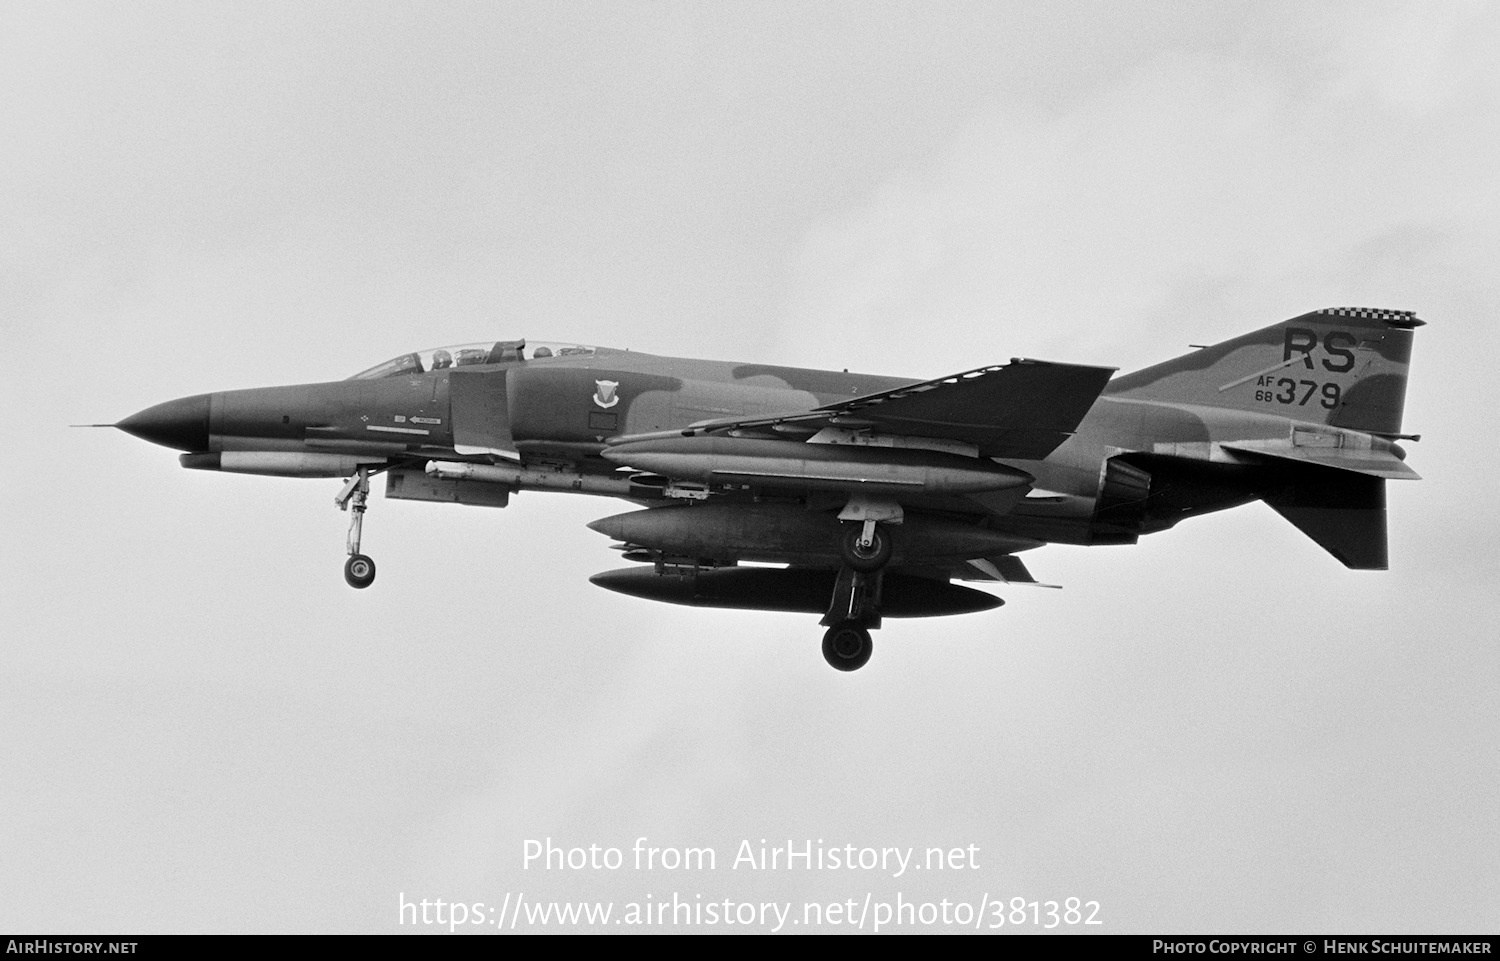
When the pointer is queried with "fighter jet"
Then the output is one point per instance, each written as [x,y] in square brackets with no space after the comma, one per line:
[852,496]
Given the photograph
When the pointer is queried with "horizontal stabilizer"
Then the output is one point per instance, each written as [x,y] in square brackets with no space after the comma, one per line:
[1369,462]
[1343,512]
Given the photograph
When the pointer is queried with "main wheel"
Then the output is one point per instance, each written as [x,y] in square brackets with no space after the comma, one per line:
[866,559]
[847,646]
[359,571]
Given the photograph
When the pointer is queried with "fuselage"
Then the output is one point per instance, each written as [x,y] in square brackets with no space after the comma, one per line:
[562,411]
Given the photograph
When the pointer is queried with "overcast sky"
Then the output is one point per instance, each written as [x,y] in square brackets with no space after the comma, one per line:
[202,728]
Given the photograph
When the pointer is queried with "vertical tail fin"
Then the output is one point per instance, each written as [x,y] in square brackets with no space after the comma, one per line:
[1341,366]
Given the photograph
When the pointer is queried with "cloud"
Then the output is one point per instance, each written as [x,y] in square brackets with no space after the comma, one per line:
[1193,183]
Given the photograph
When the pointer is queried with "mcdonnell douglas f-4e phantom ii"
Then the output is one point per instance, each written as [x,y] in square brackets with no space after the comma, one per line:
[876,493]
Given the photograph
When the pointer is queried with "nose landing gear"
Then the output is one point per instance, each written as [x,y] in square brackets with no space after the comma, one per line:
[359,570]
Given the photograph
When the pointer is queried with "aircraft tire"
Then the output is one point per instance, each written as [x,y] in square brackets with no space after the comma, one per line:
[866,560]
[847,646]
[359,571]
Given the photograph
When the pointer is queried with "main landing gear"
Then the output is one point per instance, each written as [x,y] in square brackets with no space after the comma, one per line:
[854,609]
[847,646]
[867,542]
[359,570]
[865,547]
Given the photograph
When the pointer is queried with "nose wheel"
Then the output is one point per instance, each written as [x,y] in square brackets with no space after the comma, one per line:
[359,570]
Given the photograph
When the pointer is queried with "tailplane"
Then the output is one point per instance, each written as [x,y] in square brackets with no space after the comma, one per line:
[1342,366]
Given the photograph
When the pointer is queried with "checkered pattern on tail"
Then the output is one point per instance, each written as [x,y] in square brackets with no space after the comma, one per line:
[1401,318]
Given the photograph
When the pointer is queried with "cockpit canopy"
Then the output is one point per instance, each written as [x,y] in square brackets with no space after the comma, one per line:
[467,355]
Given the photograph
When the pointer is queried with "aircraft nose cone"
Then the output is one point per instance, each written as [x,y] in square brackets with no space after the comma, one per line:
[180,423]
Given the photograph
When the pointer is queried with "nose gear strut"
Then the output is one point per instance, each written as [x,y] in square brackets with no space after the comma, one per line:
[359,570]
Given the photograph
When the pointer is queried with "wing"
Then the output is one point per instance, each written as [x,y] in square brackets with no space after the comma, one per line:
[1021,410]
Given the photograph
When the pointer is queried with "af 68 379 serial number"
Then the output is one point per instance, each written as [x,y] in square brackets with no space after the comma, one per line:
[1297,392]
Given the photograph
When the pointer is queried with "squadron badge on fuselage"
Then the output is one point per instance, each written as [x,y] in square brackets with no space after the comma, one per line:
[604,393]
